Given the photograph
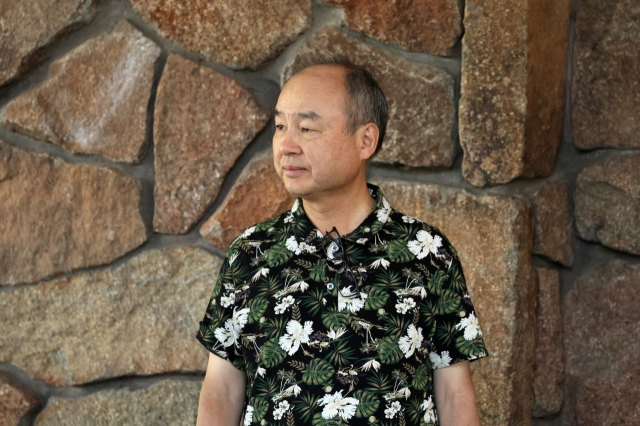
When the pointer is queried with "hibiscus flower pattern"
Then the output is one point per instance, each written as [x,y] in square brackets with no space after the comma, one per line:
[343,333]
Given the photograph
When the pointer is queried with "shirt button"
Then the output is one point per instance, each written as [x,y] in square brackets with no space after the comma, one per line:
[330,286]
[372,419]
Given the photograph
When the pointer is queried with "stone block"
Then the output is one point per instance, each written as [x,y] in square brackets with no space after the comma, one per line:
[606,75]
[137,318]
[14,402]
[59,217]
[552,218]
[203,122]
[607,203]
[29,26]
[420,98]
[420,26]
[601,325]
[512,88]
[257,195]
[548,375]
[493,236]
[239,34]
[95,98]
[169,402]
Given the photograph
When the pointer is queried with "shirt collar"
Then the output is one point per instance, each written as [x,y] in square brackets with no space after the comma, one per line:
[370,226]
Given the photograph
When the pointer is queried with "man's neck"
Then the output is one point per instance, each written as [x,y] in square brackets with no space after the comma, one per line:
[345,210]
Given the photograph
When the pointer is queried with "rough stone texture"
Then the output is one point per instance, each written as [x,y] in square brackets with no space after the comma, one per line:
[607,203]
[606,74]
[58,217]
[493,236]
[27,26]
[421,26]
[552,218]
[170,402]
[512,88]
[548,374]
[14,402]
[421,108]
[203,122]
[139,317]
[601,316]
[257,195]
[239,34]
[95,99]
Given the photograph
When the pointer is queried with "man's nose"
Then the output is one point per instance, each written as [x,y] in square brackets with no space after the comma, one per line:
[289,144]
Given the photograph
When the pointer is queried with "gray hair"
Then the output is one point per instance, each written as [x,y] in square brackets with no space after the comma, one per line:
[366,102]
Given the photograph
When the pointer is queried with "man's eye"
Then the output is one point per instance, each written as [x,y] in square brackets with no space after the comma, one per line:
[280,126]
[305,130]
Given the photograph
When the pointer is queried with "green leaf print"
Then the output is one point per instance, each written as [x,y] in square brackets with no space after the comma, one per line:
[399,252]
[318,420]
[334,320]
[342,353]
[421,379]
[368,403]
[216,289]
[312,301]
[445,332]
[278,254]
[389,350]
[318,372]
[395,325]
[436,282]
[260,408]
[318,272]
[448,302]
[376,299]
[414,410]
[379,382]
[264,226]
[274,327]
[306,405]
[388,278]
[272,353]
[257,308]
[470,347]
[457,279]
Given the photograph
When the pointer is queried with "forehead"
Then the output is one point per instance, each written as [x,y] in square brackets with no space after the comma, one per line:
[316,88]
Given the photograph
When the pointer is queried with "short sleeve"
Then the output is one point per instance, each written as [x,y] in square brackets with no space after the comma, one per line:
[457,336]
[219,330]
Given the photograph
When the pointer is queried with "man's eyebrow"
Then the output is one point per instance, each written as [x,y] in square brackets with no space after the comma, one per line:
[310,115]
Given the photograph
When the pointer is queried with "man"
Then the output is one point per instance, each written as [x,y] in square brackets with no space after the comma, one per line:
[341,308]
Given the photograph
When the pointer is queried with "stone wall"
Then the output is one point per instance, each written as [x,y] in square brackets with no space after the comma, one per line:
[134,146]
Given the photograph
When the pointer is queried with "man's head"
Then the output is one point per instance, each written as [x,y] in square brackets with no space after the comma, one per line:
[365,101]
[322,142]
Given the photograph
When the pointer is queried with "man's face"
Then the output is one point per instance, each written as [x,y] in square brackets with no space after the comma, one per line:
[312,152]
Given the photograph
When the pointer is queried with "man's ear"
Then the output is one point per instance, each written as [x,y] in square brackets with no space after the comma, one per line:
[368,140]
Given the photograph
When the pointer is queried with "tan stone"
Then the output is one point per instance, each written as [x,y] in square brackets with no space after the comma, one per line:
[512,88]
[493,236]
[14,402]
[420,98]
[257,195]
[601,316]
[95,98]
[431,26]
[607,203]
[28,26]
[139,317]
[203,122]
[58,217]
[239,34]
[548,374]
[552,220]
[169,402]
[606,75]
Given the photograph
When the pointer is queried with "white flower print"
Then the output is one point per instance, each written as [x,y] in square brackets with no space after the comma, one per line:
[240,319]
[296,334]
[230,333]
[336,405]
[263,272]
[380,262]
[439,361]
[408,219]
[233,257]
[292,245]
[412,341]
[424,244]
[247,232]
[225,334]
[348,299]
[227,300]
[307,248]
[383,213]
[362,240]
[295,206]
[430,412]
[293,390]
[392,410]
[371,364]
[470,326]
[406,305]
[248,416]
[335,334]
[284,304]
[260,372]
[480,355]
[282,409]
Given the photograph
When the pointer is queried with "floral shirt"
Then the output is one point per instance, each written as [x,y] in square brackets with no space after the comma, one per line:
[341,330]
